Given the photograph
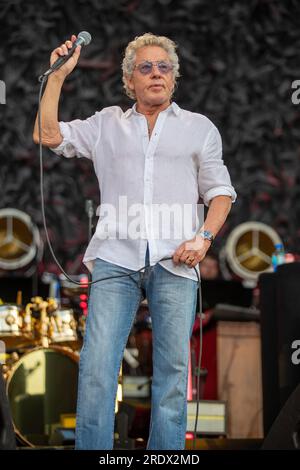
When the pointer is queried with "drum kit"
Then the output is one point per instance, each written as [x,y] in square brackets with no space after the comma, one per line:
[42,343]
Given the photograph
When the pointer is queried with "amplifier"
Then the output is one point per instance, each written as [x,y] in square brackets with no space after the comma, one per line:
[211,417]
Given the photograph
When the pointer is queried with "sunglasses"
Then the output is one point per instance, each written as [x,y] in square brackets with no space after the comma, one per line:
[146,67]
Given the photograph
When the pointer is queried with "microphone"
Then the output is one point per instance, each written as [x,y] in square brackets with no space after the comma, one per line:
[83,39]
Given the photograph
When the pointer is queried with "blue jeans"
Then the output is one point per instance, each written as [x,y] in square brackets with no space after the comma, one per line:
[112,308]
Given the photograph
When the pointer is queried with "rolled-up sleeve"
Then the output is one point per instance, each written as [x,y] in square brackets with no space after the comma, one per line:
[213,176]
[79,137]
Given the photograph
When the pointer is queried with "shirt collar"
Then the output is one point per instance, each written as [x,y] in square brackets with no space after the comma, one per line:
[173,107]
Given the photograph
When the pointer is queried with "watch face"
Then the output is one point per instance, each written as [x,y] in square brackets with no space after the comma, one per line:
[207,235]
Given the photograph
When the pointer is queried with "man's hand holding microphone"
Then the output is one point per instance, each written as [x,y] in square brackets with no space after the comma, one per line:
[65,57]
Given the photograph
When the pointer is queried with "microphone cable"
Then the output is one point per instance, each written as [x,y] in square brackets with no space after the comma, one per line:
[43,80]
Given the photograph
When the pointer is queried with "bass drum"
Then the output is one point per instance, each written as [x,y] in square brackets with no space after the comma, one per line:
[42,388]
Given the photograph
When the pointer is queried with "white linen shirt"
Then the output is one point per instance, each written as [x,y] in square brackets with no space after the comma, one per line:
[180,164]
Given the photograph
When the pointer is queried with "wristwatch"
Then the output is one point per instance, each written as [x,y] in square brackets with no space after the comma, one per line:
[206,235]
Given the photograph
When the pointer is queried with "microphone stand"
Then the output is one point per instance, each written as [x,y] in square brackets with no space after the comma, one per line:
[89,209]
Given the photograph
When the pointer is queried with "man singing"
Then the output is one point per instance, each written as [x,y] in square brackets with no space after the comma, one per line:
[153,155]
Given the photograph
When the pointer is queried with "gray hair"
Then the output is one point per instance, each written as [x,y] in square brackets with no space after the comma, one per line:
[147,39]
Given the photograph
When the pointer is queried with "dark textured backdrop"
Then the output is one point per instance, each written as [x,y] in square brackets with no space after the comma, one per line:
[238,60]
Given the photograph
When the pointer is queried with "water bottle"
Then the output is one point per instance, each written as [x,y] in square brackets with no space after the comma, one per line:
[278,256]
[54,291]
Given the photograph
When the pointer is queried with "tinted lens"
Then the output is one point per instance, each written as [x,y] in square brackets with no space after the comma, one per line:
[164,67]
[145,67]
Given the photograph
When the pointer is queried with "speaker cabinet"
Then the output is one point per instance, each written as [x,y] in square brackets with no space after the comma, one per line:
[280,328]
